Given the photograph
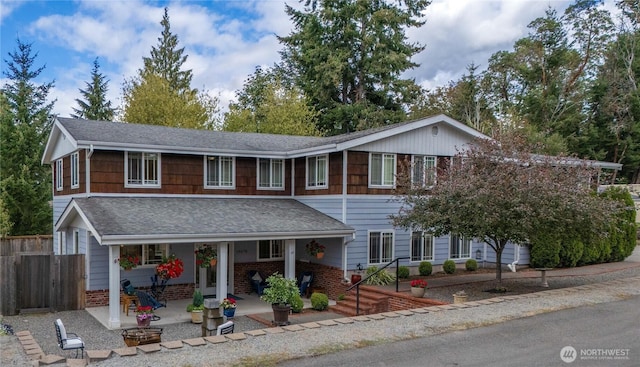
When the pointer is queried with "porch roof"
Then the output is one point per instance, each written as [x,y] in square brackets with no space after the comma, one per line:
[142,220]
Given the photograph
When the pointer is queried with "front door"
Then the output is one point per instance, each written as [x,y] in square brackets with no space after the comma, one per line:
[206,277]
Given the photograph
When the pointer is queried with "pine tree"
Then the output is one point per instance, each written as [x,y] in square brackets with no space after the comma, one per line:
[94,105]
[25,123]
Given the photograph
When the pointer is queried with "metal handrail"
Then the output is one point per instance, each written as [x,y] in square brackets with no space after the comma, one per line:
[357,285]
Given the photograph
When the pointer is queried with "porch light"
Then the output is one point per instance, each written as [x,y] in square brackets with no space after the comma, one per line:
[478,254]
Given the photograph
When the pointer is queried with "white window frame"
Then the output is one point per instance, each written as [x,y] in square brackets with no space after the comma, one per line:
[424,170]
[387,238]
[61,240]
[272,184]
[459,241]
[161,251]
[424,239]
[75,170]
[76,241]
[59,174]
[317,172]
[383,180]
[145,158]
[276,250]
[221,183]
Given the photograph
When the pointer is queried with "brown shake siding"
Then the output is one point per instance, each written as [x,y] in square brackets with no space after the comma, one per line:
[66,175]
[335,176]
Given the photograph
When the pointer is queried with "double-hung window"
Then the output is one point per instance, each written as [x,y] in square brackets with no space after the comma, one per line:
[459,247]
[75,171]
[271,250]
[317,168]
[219,172]
[142,169]
[424,170]
[382,170]
[270,173]
[59,176]
[380,247]
[421,246]
[148,254]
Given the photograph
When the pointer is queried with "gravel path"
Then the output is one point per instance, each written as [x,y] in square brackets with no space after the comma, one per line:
[265,350]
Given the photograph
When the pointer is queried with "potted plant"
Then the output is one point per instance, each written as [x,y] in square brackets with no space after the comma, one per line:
[315,249]
[144,314]
[196,307]
[229,307]
[206,256]
[128,262]
[280,293]
[460,297]
[418,287]
[171,267]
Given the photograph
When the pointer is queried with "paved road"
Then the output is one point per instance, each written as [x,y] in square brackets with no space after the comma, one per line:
[531,341]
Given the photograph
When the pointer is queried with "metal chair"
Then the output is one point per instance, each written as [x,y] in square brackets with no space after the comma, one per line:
[226,328]
[68,341]
[146,299]
[157,290]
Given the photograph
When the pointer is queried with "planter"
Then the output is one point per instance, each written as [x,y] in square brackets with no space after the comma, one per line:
[229,312]
[418,291]
[196,317]
[319,255]
[134,337]
[143,322]
[213,262]
[281,314]
[355,278]
[459,299]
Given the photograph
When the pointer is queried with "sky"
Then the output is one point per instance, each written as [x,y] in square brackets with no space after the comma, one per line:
[226,40]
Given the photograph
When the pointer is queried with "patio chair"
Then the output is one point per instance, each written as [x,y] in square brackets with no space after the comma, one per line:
[304,281]
[127,287]
[146,299]
[226,328]
[258,281]
[157,290]
[68,341]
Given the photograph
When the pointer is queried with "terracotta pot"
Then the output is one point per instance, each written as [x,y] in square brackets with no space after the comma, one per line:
[319,255]
[213,262]
[355,278]
[417,292]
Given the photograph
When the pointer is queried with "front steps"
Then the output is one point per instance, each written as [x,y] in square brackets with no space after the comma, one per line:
[376,300]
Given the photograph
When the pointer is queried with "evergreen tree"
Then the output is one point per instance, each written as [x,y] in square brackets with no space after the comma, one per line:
[25,184]
[348,56]
[95,105]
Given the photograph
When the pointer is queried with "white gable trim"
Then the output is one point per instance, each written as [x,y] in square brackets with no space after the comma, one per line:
[69,216]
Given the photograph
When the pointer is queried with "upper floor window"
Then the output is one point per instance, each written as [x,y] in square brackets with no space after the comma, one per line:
[382,169]
[142,169]
[219,172]
[421,246]
[270,173]
[424,170]
[271,250]
[459,247]
[59,174]
[380,247]
[317,169]
[75,171]
[148,254]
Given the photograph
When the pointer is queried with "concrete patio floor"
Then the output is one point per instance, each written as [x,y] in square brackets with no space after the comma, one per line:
[176,311]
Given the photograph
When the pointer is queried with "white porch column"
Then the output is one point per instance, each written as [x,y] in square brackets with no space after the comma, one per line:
[222,271]
[290,259]
[114,287]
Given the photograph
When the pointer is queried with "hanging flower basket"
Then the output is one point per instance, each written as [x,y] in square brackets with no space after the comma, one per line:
[315,249]
[170,268]
[128,262]
[206,256]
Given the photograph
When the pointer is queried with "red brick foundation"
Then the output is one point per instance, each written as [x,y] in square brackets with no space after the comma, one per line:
[100,297]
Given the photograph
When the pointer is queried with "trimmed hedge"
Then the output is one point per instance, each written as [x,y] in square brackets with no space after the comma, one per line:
[471,265]
[449,267]
[319,301]
[425,268]
[297,304]
[403,272]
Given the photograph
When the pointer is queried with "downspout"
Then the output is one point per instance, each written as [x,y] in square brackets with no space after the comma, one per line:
[345,242]
[516,258]
[344,213]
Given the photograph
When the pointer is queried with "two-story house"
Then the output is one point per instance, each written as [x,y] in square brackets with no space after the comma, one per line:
[150,191]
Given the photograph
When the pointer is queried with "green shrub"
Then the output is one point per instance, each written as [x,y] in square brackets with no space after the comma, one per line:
[341,297]
[319,301]
[403,272]
[545,251]
[197,304]
[381,278]
[296,303]
[471,265]
[425,268]
[449,267]
[570,253]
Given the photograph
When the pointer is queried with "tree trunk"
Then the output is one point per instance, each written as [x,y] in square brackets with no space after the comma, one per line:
[499,265]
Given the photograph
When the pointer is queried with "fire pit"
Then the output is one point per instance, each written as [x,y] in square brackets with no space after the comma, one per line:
[140,336]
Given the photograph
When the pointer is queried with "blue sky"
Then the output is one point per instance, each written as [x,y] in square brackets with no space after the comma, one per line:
[226,40]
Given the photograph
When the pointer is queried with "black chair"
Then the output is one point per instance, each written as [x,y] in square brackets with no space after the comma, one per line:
[157,290]
[146,299]
[304,281]
[258,281]
[68,341]
[226,328]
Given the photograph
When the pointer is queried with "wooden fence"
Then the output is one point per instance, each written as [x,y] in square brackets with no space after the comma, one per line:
[33,279]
